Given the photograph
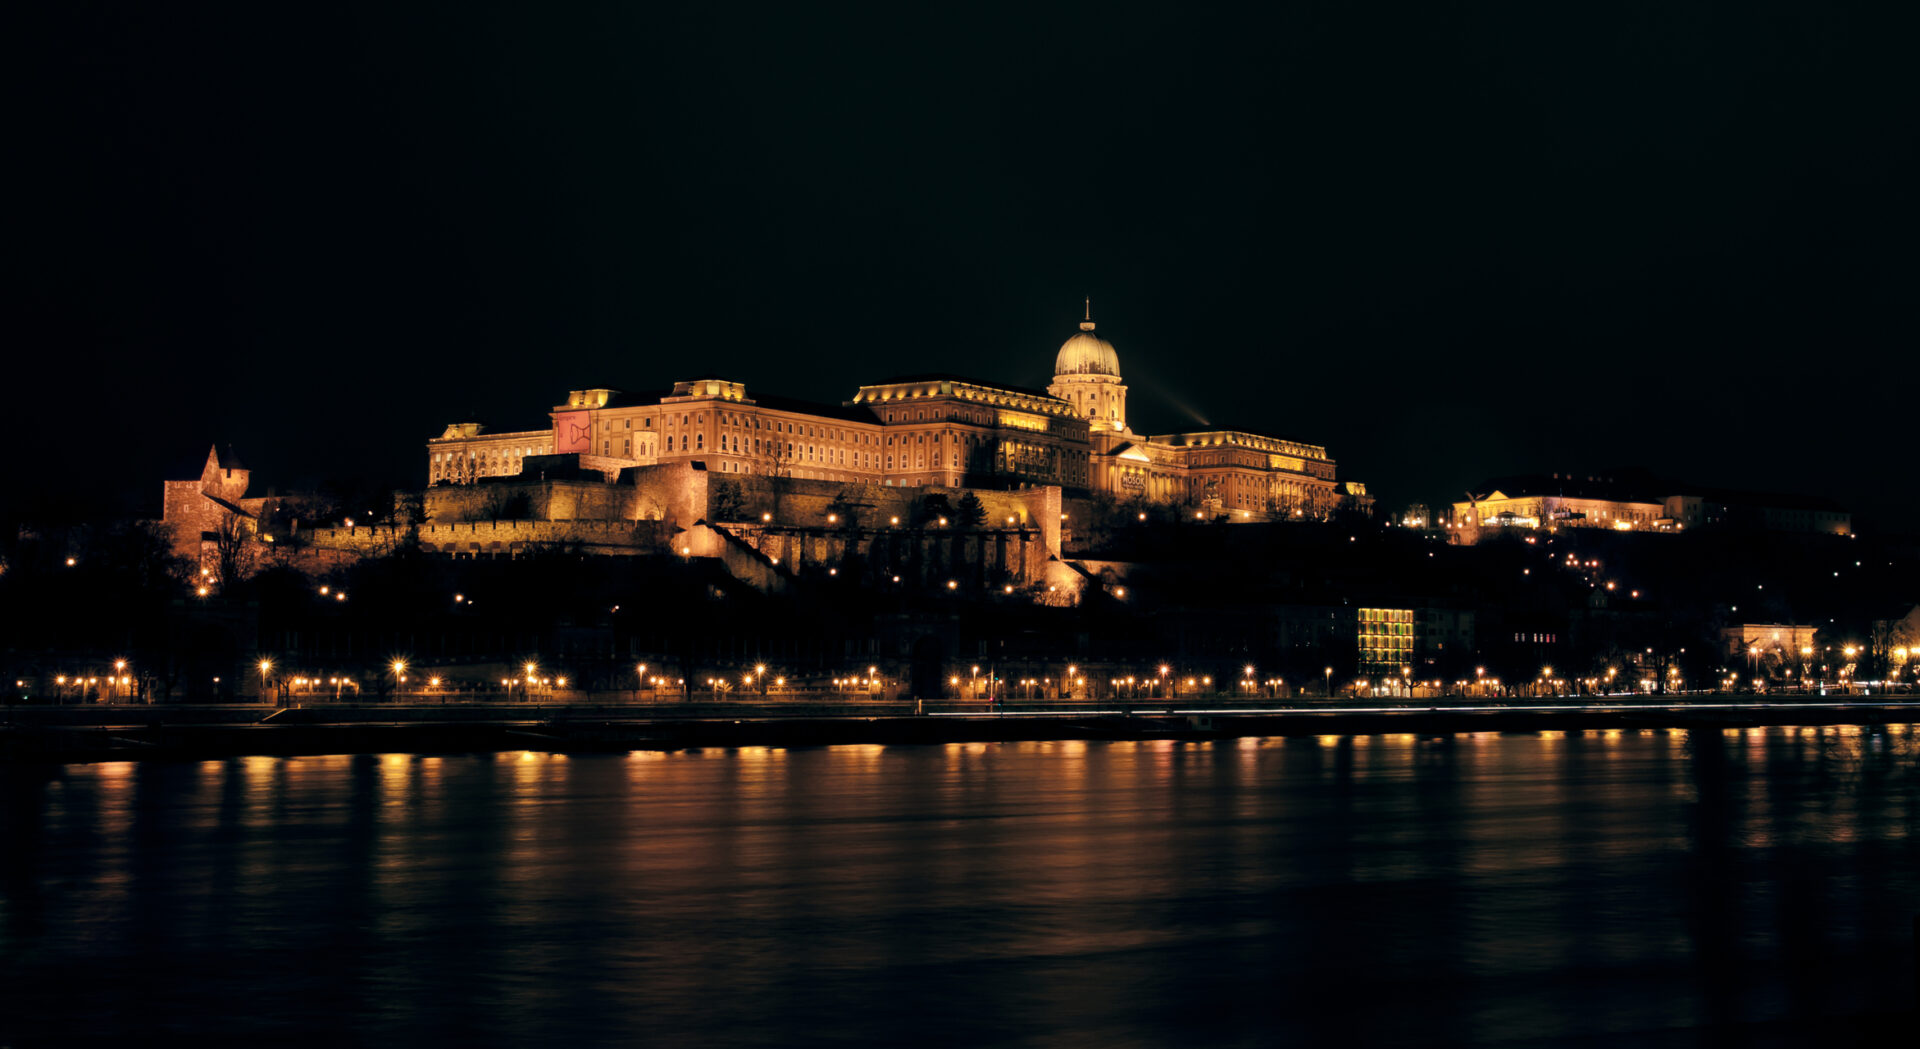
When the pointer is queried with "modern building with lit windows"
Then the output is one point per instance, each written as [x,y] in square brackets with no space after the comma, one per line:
[924,430]
[1385,640]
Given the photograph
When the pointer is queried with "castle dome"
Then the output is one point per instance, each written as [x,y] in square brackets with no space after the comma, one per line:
[1086,353]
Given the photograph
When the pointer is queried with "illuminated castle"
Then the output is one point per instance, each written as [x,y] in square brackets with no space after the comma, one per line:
[930,430]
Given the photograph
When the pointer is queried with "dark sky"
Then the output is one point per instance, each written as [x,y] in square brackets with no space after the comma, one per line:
[1446,241]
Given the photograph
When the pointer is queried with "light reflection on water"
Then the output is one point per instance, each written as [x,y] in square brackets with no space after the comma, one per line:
[1469,889]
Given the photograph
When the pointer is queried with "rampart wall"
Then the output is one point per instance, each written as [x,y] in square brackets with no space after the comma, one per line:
[495,538]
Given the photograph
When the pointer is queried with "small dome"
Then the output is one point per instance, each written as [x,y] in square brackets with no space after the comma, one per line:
[1086,354]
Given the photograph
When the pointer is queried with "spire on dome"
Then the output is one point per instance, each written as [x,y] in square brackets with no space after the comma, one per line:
[1087,323]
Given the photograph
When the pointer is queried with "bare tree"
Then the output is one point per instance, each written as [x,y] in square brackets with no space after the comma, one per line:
[232,548]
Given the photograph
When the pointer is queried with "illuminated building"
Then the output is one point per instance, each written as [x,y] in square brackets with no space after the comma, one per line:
[1385,640]
[197,513]
[1637,501]
[1783,640]
[1558,501]
[925,430]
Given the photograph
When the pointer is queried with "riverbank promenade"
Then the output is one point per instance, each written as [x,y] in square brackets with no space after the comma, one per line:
[123,731]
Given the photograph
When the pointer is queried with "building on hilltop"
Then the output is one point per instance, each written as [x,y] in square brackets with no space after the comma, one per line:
[197,511]
[212,519]
[1566,501]
[922,430]
[1638,501]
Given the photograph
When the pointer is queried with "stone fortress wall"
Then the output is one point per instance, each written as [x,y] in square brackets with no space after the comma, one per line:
[767,531]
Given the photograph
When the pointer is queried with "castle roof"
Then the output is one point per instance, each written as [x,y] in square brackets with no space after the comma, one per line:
[966,379]
[853,413]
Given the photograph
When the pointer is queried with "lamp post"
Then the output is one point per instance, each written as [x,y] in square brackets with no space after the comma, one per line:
[1328,690]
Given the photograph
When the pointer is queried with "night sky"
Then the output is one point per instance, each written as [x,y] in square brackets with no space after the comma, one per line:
[1445,241]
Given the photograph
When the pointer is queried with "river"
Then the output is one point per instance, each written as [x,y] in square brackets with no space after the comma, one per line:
[1524,889]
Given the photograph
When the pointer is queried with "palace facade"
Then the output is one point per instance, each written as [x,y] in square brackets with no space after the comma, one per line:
[1637,501]
[929,430]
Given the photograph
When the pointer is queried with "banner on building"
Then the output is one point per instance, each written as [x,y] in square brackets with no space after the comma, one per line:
[572,433]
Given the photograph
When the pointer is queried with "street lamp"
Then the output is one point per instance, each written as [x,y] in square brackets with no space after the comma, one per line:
[1328,691]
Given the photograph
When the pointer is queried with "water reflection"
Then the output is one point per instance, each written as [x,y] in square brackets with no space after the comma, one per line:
[1397,889]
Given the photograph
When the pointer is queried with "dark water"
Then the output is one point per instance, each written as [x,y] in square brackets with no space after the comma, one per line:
[1385,890]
